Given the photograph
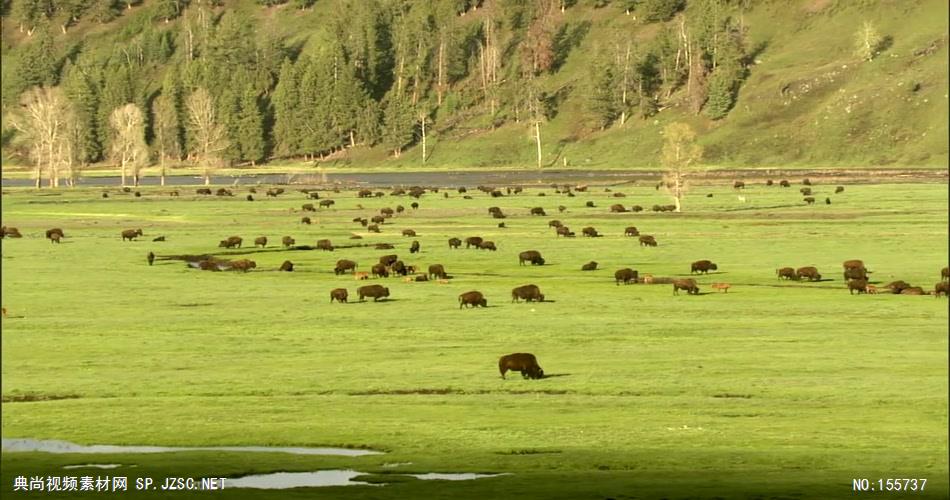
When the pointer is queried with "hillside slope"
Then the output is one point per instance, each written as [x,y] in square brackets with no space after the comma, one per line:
[807,99]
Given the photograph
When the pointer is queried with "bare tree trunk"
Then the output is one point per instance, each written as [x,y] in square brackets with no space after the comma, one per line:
[537,136]
[440,86]
[626,83]
[423,140]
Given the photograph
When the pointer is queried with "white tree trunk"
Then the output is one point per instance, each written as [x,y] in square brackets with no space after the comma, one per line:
[423,140]
[537,136]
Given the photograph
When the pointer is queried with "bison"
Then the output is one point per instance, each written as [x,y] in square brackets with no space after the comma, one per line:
[914,290]
[327,203]
[414,248]
[131,234]
[647,240]
[260,241]
[631,231]
[618,208]
[473,241]
[378,219]
[590,266]
[455,242]
[945,274]
[625,276]
[287,266]
[703,267]
[408,232]
[839,189]
[339,295]
[365,193]
[564,231]
[54,238]
[203,191]
[857,284]
[532,256]
[308,207]
[438,271]
[857,273]
[373,228]
[784,183]
[809,272]
[472,299]
[488,245]
[590,232]
[809,200]
[305,220]
[522,362]
[55,230]
[636,208]
[384,246]
[687,284]
[805,191]
[554,223]
[287,241]
[242,265]
[537,211]
[738,185]
[375,291]
[325,245]
[528,293]
[387,260]
[231,242]
[399,267]
[343,266]
[941,287]
[897,286]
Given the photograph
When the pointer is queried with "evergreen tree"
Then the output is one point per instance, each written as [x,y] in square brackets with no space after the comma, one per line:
[286,102]
[167,129]
[250,126]
[398,122]
[316,94]
[169,9]
[117,90]
[603,101]
[103,11]
[83,92]
[38,62]
[659,10]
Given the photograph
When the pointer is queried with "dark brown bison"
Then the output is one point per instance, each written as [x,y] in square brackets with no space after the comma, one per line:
[249,197]
[308,207]
[857,284]
[537,211]
[806,182]
[945,274]
[260,241]
[784,183]
[589,204]
[647,240]
[378,219]
[399,268]
[703,267]
[809,200]
[738,185]
[487,245]
[848,264]
[590,232]
[422,277]
[455,242]
[223,192]
[805,191]
[386,212]
[158,238]
[618,208]
[400,209]
[856,273]
[532,256]
[343,266]
[914,290]
[55,230]
[339,295]
[827,201]
[150,257]
[473,241]
[625,276]
[231,242]
[631,231]
[131,234]
[528,293]
[636,208]
[522,362]
[438,271]
[688,284]
[305,220]
[203,191]
[325,245]
[313,195]
[590,266]
[287,241]
[287,266]
[554,223]
[242,265]
[373,228]
[327,203]
[941,287]
[365,193]
[839,189]
[564,231]
[472,299]
[414,248]
[380,271]
[387,260]
[408,232]
[809,272]
[375,291]
[769,182]
[10,232]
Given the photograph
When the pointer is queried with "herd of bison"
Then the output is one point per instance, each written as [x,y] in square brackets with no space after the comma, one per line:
[855,272]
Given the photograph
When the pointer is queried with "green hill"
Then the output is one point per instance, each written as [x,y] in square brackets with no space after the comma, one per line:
[798,94]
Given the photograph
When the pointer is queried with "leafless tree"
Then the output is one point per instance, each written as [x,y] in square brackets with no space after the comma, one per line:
[44,121]
[210,137]
[128,146]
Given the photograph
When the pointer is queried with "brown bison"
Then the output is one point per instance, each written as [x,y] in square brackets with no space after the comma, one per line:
[809,200]
[455,242]
[941,287]
[150,258]
[806,182]
[738,185]
[339,295]
[703,267]
[839,189]
[522,362]
[532,256]
[287,241]
[224,192]
[857,284]
[131,234]
[325,245]
[631,231]
[488,245]
[848,264]
[636,208]
[472,299]
[555,223]
[809,272]
[305,220]
[528,293]
[473,241]
[387,260]
[373,228]
[408,232]
[327,203]
[856,273]
[414,248]
[380,271]
[565,231]
[343,265]
[625,276]
[375,291]
[805,191]
[687,284]
[55,230]
[287,266]
[438,271]
[54,238]
[377,219]
[590,232]
[590,266]
[589,204]
[260,241]
[242,265]
[308,207]
[313,195]
[537,211]
[914,290]
[896,286]
[365,193]
[786,273]
[386,212]
[945,274]
[784,183]
[231,242]
[422,277]
[11,232]
[618,208]
[647,240]
[203,191]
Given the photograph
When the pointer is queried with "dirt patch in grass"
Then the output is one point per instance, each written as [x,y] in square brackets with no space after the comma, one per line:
[35,396]
[730,395]
[528,451]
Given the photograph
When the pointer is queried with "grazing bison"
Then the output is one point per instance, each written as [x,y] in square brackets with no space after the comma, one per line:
[487,245]
[806,182]
[375,291]
[839,189]
[438,271]
[10,232]
[619,195]
[809,200]
[105,195]
[738,185]
[408,232]
[400,268]
[55,230]
[647,240]
[618,208]
[203,191]
[784,183]
[827,201]
[537,211]
[625,276]
[853,264]
[528,293]
[554,223]
[380,271]
[564,231]
[941,287]
[945,274]
[857,284]
[339,295]
[324,245]
[400,209]
[522,362]
[343,266]
[636,208]
[631,231]
[260,241]
[305,220]
[287,241]
[327,203]
[131,234]
[378,219]
[687,284]
[590,266]
[703,267]
[472,299]
[589,204]
[590,232]
[422,277]
[308,207]
[287,266]
[224,192]
[914,290]
[313,195]
[386,212]
[242,265]
[455,242]
[809,272]
[473,241]
[805,191]
[769,182]
[532,256]
[365,193]
[373,228]
[231,242]
[414,248]
[249,197]
[562,208]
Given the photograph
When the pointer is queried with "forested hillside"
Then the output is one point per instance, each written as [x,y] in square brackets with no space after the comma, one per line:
[469,83]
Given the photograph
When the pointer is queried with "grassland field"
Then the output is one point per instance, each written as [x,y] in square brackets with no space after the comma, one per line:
[773,390]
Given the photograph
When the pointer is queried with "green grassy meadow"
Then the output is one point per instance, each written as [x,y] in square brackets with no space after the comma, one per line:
[773,390]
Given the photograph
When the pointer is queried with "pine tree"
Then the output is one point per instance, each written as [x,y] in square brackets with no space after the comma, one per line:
[250,126]
[398,123]
[286,102]
[83,92]
[116,91]
[603,101]
[166,130]
[38,62]
[103,11]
